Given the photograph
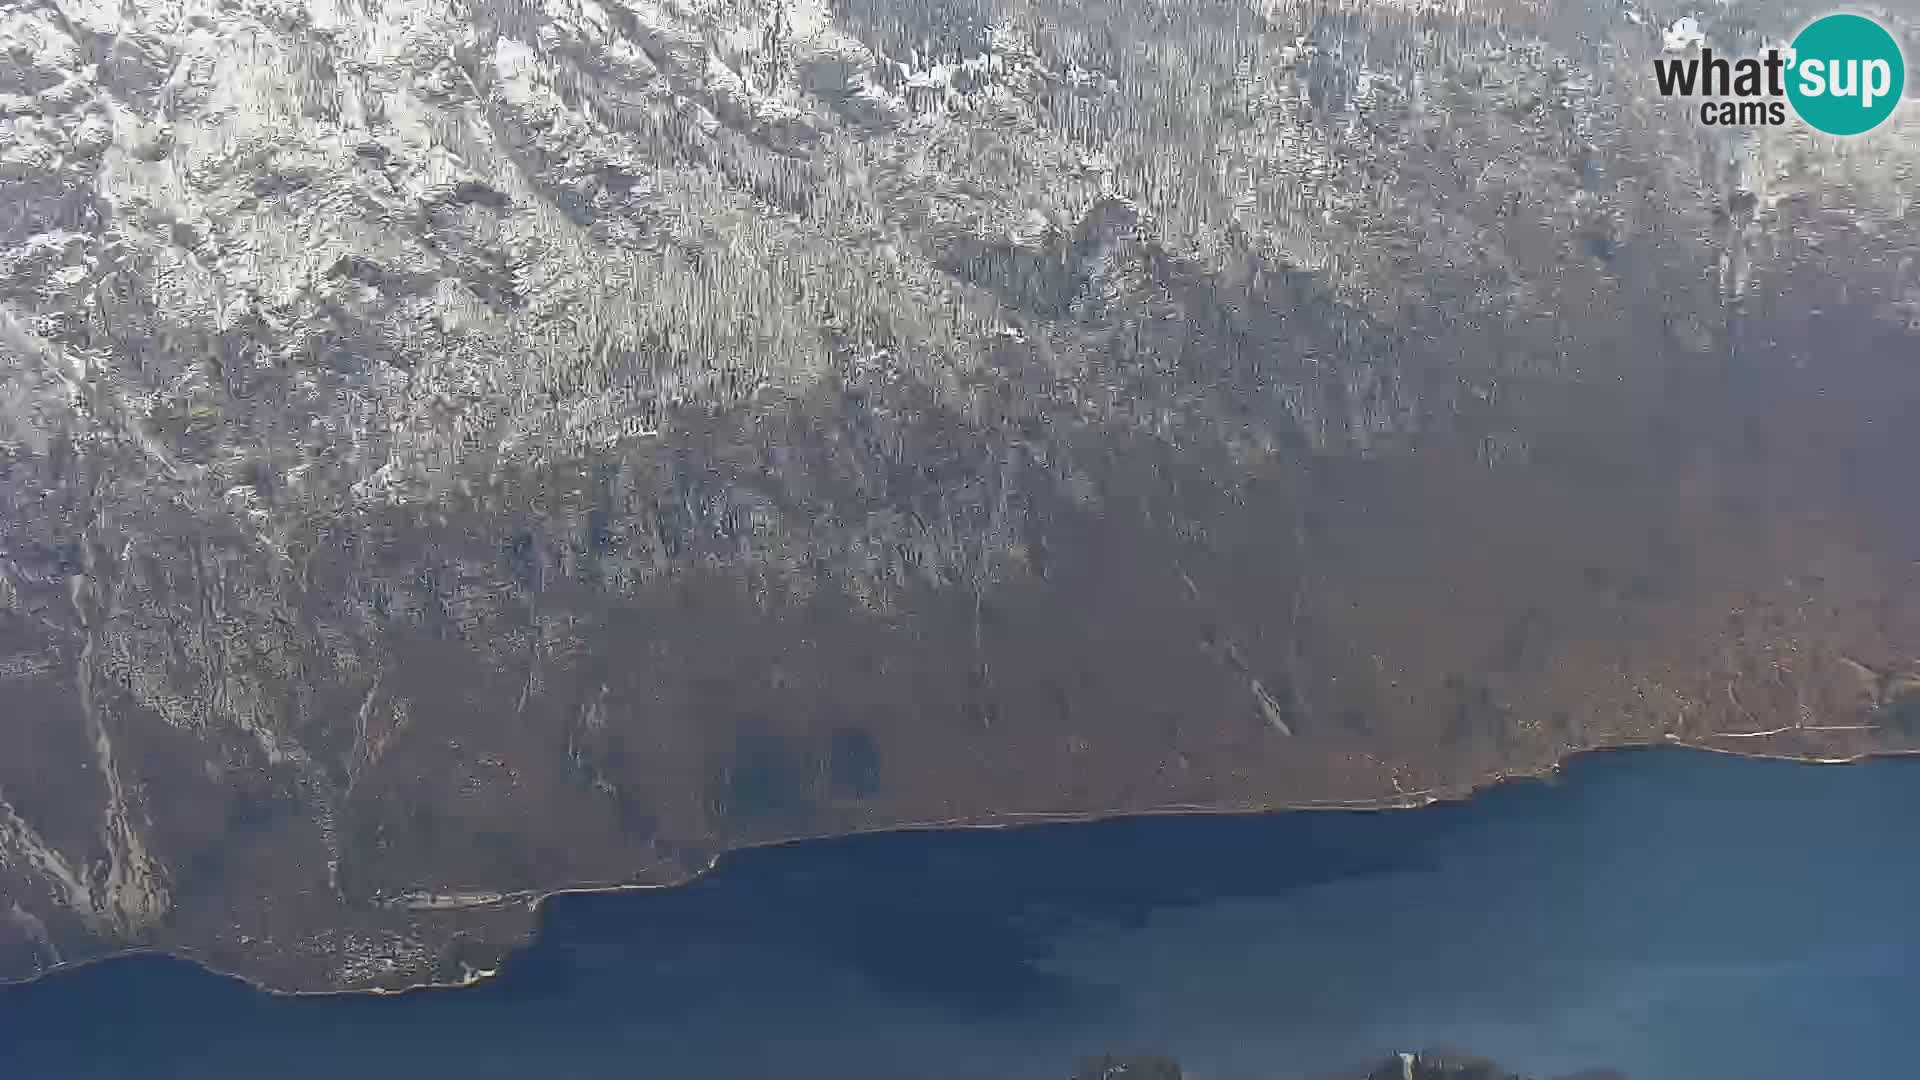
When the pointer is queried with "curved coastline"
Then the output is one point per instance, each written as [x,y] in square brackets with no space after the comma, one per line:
[536,900]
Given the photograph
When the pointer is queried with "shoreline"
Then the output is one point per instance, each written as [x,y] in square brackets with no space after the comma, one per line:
[535,900]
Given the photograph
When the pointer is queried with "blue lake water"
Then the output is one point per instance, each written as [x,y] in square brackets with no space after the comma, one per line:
[1672,915]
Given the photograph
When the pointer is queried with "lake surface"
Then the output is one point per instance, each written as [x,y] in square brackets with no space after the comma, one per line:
[1673,915]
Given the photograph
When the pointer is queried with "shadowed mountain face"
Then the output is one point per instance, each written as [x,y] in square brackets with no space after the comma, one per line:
[453,451]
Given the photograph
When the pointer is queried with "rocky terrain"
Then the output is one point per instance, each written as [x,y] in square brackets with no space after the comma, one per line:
[1439,1065]
[1422,1065]
[455,450]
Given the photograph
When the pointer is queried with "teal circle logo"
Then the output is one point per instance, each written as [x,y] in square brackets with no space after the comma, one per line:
[1846,74]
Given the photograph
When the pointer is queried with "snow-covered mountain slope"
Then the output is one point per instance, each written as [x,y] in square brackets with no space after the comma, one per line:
[451,451]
